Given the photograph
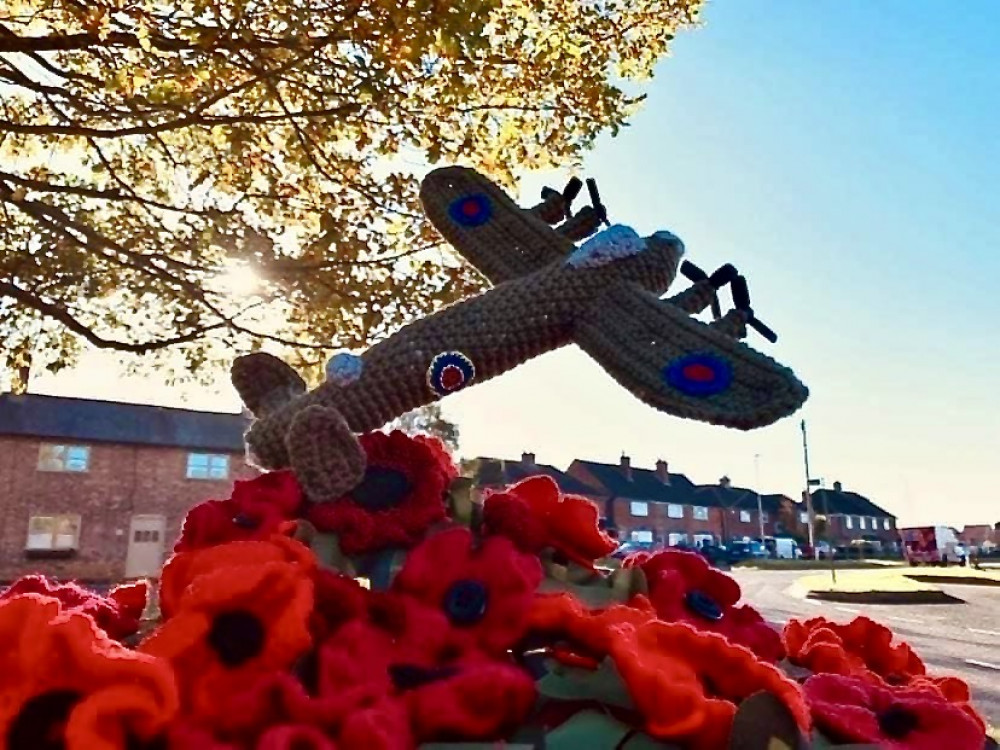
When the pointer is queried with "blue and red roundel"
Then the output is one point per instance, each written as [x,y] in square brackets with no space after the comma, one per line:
[471,210]
[450,372]
[699,375]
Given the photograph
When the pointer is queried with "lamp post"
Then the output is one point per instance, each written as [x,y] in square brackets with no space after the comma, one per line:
[808,494]
[760,506]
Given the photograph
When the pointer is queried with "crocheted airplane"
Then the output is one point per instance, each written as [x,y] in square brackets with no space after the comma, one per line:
[603,295]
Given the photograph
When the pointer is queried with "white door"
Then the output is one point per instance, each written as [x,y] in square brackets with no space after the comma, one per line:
[146,538]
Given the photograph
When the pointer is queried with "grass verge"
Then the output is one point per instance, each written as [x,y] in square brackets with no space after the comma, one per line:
[817,564]
[873,587]
[961,576]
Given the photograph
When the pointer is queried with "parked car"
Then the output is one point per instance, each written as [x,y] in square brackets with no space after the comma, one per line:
[746,549]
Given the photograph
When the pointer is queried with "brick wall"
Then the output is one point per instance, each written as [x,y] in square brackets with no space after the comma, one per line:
[121,481]
[660,523]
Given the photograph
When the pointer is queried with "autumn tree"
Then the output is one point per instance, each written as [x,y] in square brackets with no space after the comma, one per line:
[198,176]
[428,420]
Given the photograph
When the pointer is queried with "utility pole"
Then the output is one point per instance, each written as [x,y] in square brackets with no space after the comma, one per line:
[760,506]
[809,504]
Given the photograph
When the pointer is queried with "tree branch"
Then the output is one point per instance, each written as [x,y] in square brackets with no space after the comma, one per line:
[210,39]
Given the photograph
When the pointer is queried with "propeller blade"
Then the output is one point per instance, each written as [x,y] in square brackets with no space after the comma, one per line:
[763,330]
[716,308]
[741,294]
[595,200]
[572,189]
[723,275]
[692,272]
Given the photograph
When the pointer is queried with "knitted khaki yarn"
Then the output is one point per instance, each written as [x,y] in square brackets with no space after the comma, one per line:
[548,292]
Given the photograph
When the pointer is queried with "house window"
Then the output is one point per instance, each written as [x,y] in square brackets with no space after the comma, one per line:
[63,458]
[207,466]
[874,523]
[675,511]
[675,539]
[804,517]
[848,522]
[53,532]
[639,509]
[642,537]
[700,513]
[744,516]
[886,524]
[763,516]
[861,522]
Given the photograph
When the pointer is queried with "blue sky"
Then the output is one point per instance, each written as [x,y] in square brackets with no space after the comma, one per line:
[846,157]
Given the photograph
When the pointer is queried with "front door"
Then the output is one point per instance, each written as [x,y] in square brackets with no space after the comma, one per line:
[145,546]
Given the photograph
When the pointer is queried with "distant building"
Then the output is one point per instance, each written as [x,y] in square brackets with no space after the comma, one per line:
[853,516]
[980,537]
[652,506]
[741,517]
[97,491]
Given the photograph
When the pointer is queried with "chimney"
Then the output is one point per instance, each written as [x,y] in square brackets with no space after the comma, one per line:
[528,459]
[663,471]
[838,487]
[626,466]
[725,482]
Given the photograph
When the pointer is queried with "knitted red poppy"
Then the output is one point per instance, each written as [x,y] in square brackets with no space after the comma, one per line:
[685,588]
[851,709]
[117,614]
[861,647]
[866,649]
[401,495]
[535,514]
[255,510]
[233,621]
[65,683]
[485,590]
[685,683]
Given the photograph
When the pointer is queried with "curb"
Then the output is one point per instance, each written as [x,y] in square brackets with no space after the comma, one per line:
[929,596]
[952,580]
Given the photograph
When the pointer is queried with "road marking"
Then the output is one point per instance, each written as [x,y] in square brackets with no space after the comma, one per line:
[984,632]
[902,619]
[983,664]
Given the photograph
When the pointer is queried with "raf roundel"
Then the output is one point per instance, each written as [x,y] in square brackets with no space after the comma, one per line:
[450,372]
[699,375]
[471,210]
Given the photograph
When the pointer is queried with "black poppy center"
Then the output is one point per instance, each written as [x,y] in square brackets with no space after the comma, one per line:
[381,488]
[703,605]
[41,722]
[236,637]
[412,676]
[465,602]
[244,521]
[897,722]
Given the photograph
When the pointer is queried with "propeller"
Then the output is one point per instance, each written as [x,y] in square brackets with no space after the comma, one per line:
[720,277]
[569,193]
[741,301]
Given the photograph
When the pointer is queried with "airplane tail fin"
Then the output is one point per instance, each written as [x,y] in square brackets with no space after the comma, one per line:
[684,367]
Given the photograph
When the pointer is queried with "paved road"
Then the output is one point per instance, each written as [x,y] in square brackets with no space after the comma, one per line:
[960,639]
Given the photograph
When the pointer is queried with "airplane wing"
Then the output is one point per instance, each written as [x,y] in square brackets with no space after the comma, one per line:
[501,239]
[683,367]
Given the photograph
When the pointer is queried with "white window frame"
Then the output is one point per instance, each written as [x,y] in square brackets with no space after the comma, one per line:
[675,511]
[848,522]
[642,536]
[676,537]
[745,516]
[699,512]
[638,508]
[804,517]
[63,533]
[886,524]
[210,466]
[64,458]
[862,523]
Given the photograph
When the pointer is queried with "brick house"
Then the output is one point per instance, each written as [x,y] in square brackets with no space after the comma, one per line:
[97,491]
[740,515]
[651,506]
[980,537]
[852,516]
[498,473]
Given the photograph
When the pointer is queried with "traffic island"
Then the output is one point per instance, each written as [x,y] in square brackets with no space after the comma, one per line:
[955,576]
[873,587]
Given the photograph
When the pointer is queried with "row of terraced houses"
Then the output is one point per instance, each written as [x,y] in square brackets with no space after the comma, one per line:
[97,490]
